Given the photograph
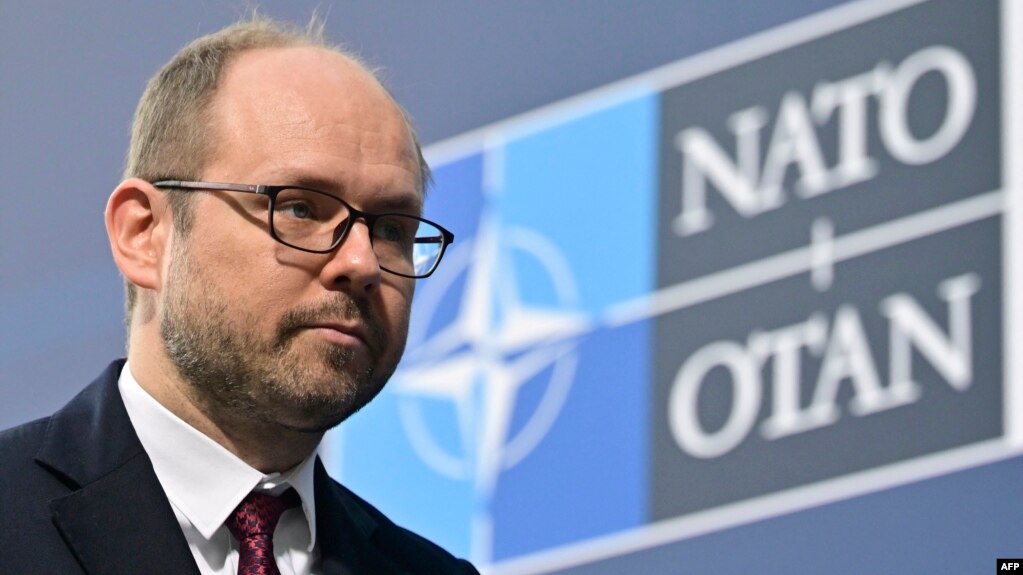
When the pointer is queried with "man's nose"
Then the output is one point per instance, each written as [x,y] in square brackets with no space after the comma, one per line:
[353,265]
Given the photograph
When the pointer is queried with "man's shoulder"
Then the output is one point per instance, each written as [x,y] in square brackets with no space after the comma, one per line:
[402,545]
[19,444]
[24,480]
[48,446]
[26,489]
[23,441]
[19,434]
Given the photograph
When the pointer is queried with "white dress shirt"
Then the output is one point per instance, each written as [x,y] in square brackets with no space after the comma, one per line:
[205,482]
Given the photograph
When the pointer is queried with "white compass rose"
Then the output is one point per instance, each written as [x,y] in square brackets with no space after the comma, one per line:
[496,343]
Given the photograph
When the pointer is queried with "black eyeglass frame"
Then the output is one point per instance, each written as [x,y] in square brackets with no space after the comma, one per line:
[353,214]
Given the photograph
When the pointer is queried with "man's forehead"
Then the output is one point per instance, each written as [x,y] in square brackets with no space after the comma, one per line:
[300,97]
[276,75]
[298,60]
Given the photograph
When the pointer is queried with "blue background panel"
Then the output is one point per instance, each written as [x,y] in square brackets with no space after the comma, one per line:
[588,187]
[589,476]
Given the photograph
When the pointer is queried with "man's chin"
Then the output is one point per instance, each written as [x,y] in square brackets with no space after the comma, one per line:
[312,427]
[320,412]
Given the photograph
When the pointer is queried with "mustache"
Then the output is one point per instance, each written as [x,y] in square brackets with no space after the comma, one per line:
[340,306]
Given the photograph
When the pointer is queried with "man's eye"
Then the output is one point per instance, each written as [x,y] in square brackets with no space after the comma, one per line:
[389,232]
[392,231]
[297,210]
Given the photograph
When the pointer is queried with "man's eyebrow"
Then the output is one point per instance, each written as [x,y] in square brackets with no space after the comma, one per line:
[400,202]
[323,185]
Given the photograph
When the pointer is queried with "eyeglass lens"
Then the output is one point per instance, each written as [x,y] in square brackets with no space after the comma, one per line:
[313,221]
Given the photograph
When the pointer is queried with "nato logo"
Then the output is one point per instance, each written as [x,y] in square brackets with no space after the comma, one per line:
[517,420]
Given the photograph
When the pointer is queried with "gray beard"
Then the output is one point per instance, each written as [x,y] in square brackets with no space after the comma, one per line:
[234,373]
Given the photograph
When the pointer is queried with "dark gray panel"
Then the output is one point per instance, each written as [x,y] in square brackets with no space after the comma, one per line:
[685,480]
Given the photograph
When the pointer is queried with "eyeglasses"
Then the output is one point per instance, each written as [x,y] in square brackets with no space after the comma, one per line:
[317,222]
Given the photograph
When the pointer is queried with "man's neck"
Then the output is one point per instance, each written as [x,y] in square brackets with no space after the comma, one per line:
[266,446]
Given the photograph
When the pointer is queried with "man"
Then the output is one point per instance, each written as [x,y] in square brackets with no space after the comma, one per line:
[269,230]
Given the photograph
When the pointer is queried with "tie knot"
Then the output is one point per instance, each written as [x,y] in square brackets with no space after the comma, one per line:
[259,513]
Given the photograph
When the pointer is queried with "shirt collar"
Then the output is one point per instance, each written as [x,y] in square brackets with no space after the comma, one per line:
[201,478]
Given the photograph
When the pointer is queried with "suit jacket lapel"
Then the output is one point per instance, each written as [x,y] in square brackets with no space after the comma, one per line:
[116,519]
[345,532]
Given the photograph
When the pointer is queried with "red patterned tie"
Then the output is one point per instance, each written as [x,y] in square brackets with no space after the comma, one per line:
[252,524]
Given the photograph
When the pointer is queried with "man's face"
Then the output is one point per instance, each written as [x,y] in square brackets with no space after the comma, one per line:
[263,331]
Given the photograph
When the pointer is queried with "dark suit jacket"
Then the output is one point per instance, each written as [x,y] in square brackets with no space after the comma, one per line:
[78,495]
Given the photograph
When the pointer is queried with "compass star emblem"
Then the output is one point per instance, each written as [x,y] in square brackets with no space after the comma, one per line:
[496,343]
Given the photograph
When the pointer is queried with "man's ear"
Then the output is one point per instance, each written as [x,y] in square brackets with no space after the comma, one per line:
[138,225]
